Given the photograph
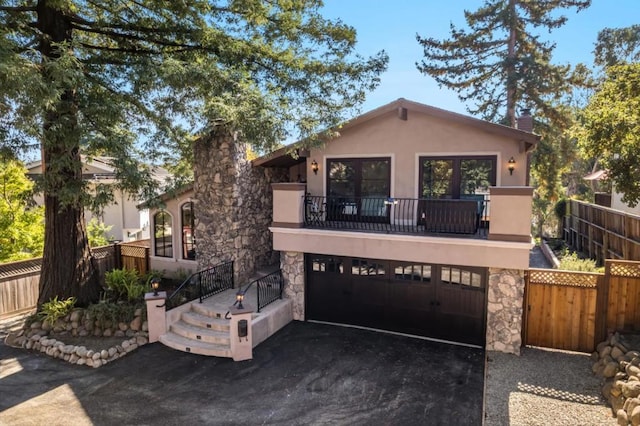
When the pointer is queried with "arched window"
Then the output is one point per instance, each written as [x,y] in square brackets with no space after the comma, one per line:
[188,239]
[162,234]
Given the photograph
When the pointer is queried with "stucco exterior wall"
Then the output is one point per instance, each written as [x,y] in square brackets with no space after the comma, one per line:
[616,203]
[177,264]
[407,140]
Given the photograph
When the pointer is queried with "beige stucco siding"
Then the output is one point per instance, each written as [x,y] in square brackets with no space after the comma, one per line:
[404,141]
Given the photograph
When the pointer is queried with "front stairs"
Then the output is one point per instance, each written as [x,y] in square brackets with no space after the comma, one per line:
[201,330]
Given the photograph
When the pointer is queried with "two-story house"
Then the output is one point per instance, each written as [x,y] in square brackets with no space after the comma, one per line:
[414,220]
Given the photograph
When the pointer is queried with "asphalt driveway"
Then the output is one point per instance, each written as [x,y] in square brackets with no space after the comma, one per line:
[305,374]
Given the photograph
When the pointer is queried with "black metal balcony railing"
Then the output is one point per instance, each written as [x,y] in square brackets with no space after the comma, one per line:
[465,217]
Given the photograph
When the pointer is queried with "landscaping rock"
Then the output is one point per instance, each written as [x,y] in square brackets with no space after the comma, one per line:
[622,418]
[610,369]
[136,324]
[635,417]
[631,389]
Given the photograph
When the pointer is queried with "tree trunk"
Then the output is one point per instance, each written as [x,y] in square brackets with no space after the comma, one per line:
[67,268]
[512,79]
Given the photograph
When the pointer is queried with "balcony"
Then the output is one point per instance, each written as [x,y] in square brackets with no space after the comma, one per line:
[489,231]
[468,217]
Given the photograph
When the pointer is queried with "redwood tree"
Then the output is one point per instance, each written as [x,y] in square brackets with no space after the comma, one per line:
[132,80]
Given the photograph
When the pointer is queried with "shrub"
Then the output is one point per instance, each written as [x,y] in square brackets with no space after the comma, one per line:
[114,313]
[125,284]
[571,262]
[55,309]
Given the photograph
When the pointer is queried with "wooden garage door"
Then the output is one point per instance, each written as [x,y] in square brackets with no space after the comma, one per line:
[440,301]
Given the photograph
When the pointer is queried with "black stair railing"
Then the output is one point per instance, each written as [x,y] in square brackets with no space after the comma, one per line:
[268,289]
[203,284]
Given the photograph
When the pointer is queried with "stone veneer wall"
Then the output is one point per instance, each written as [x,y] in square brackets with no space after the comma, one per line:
[233,205]
[504,311]
[292,265]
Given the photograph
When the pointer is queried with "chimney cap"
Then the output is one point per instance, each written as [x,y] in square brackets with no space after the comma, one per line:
[525,111]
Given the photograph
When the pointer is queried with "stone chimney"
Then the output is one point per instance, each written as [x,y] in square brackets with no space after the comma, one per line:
[525,121]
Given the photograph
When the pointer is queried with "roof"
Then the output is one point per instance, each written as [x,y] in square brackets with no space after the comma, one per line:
[100,169]
[166,196]
[283,158]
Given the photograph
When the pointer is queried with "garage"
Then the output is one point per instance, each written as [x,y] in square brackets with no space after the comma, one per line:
[439,301]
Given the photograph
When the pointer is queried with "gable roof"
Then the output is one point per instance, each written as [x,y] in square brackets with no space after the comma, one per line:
[283,158]
[97,168]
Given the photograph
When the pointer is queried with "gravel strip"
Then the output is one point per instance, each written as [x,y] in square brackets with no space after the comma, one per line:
[543,387]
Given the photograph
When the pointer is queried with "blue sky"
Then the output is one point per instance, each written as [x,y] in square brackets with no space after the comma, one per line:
[392,26]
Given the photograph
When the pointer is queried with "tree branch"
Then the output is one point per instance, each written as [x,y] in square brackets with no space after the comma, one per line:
[18,9]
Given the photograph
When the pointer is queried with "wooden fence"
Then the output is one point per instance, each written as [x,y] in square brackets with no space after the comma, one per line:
[20,281]
[602,233]
[575,310]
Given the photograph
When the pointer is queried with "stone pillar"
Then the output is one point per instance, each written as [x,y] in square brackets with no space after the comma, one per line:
[504,311]
[292,265]
[233,205]
[156,315]
[241,346]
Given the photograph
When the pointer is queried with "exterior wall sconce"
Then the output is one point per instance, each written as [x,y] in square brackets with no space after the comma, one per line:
[314,167]
[512,165]
[155,284]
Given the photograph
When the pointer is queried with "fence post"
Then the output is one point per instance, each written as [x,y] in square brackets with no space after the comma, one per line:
[156,314]
[118,256]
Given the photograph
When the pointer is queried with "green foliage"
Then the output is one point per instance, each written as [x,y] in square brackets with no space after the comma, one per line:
[55,309]
[125,284]
[114,313]
[610,129]
[135,82]
[560,208]
[617,45]
[499,61]
[21,224]
[571,262]
[98,233]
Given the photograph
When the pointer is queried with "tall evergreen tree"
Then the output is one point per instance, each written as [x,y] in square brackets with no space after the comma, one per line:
[500,61]
[132,79]
[616,45]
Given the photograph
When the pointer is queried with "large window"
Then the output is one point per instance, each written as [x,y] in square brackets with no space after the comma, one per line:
[162,234]
[358,186]
[188,240]
[456,177]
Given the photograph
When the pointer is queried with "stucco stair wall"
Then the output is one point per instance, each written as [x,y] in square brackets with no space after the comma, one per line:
[201,328]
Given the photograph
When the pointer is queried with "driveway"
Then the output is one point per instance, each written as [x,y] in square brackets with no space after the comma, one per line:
[305,374]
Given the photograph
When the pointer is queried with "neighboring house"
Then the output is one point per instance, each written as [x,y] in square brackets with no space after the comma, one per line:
[415,220]
[618,204]
[613,199]
[126,221]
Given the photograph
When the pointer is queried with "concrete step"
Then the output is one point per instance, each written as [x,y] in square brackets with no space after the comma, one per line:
[205,321]
[183,344]
[216,311]
[200,334]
